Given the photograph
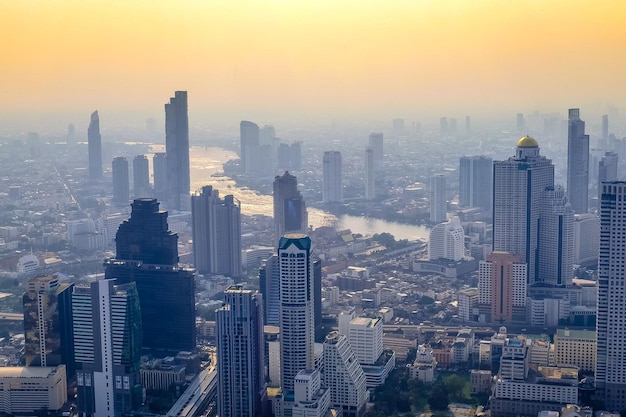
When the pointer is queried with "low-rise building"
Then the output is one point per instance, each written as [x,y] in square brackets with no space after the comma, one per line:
[32,389]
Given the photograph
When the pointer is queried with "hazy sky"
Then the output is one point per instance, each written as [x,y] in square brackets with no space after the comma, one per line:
[320,59]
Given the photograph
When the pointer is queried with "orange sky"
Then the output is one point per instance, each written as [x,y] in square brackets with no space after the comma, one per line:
[320,59]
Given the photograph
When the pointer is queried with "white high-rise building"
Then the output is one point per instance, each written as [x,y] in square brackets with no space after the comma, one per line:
[343,376]
[438,201]
[447,241]
[556,239]
[366,338]
[311,399]
[333,177]
[519,184]
[370,174]
[240,354]
[610,324]
[586,238]
[297,336]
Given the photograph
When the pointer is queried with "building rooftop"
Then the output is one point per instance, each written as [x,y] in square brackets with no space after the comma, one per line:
[527,142]
[27,371]
[589,335]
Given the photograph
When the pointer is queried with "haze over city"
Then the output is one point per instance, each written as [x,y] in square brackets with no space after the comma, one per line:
[308,62]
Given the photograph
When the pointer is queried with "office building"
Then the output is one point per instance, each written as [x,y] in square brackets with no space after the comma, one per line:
[575,348]
[375,143]
[366,339]
[241,389]
[610,326]
[332,190]
[141,177]
[107,348]
[177,150]
[249,137]
[311,398]
[147,254]
[159,173]
[519,183]
[556,239]
[438,201]
[296,308]
[290,214]
[447,241]
[269,287]
[121,182]
[577,163]
[607,171]
[475,181]
[94,145]
[32,389]
[48,339]
[344,377]
[216,231]
[502,286]
[586,239]
[370,175]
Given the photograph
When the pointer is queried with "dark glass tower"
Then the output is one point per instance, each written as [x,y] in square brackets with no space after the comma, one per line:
[177,149]
[94,144]
[48,323]
[577,163]
[141,177]
[290,214]
[147,254]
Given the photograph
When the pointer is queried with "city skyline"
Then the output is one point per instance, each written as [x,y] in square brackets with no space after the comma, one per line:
[314,68]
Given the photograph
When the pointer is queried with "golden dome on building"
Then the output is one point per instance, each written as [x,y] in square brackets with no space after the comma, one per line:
[527,142]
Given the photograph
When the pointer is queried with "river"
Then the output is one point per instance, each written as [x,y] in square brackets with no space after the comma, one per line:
[208,161]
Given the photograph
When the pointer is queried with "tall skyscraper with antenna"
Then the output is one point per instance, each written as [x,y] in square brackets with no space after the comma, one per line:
[577,163]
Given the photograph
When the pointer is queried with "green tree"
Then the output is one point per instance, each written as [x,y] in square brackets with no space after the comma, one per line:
[454,384]
[438,398]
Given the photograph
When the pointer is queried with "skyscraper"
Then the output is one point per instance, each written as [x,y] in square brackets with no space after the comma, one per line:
[519,184]
[121,183]
[343,376]
[370,175]
[177,150]
[447,241]
[240,354]
[333,177]
[147,254]
[475,181]
[607,171]
[216,227]
[438,201]
[141,177]
[290,213]
[159,171]
[577,163]
[556,239]
[269,287]
[107,345]
[605,131]
[249,136]
[48,323]
[502,286]
[610,326]
[94,145]
[296,308]
[376,145]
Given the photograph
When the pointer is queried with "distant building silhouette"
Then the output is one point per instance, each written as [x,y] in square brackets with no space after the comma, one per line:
[607,171]
[107,345]
[370,175]
[141,176]
[605,131]
[376,144]
[290,214]
[249,137]
[159,170]
[475,181]
[48,337]
[333,177]
[94,145]
[577,163]
[147,254]
[216,227]
[241,388]
[121,183]
[177,150]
